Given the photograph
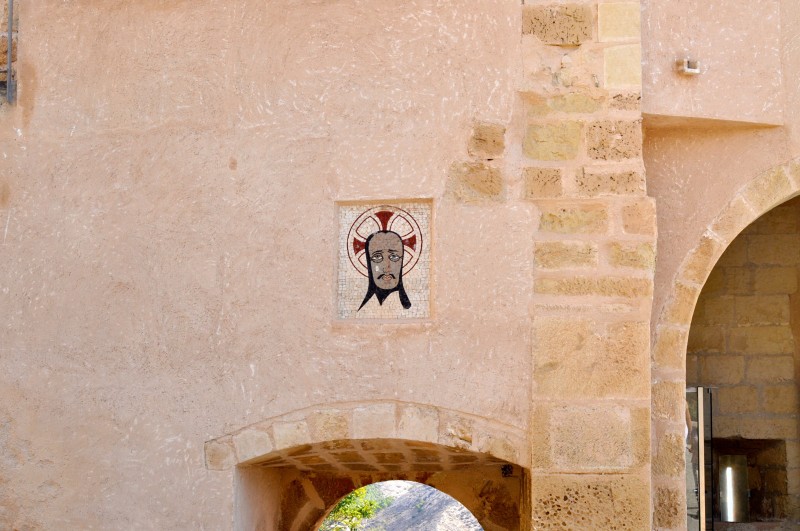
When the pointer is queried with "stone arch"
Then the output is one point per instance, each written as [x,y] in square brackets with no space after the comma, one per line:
[290,470]
[757,197]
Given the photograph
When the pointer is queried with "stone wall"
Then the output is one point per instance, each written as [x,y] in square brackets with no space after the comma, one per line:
[742,340]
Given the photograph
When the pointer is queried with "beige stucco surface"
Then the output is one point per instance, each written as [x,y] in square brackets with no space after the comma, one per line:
[168,233]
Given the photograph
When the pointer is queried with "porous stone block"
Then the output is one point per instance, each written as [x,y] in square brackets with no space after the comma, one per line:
[736,216]
[554,255]
[669,509]
[680,307]
[586,501]
[329,425]
[418,423]
[775,280]
[670,459]
[627,101]
[456,432]
[614,139]
[375,421]
[220,455]
[487,141]
[714,310]
[754,427]
[739,399]
[640,217]
[537,105]
[578,219]
[668,401]
[558,24]
[290,434]
[251,443]
[782,219]
[632,254]
[541,183]
[707,339]
[721,370]
[774,249]
[552,141]
[770,369]
[768,189]
[618,21]
[669,348]
[762,310]
[781,399]
[592,182]
[623,66]
[761,340]
[602,286]
[474,182]
[738,280]
[701,260]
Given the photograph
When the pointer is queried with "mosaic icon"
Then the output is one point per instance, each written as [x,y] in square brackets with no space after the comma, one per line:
[385,275]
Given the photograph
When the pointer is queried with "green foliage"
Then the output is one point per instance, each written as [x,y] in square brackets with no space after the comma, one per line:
[357,506]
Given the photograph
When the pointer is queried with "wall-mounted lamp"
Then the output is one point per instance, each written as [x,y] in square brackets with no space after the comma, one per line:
[688,67]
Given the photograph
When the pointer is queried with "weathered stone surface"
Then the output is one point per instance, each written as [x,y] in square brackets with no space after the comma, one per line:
[781,399]
[623,66]
[618,21]
[761,340]
[487,141]
[706,339]
[632,254]
[721,370]
[775,280]
[565,24]
[541,183]
[770,369]
[762,310]
[669,508]
[680,307]
[628,101]
[669,400]
[669,348]
[591,437]
[220,455]
[374,422]
[329,425]
[585,219]
[614,139]
[418,423]
[768,189]
[552,141]
[754,427]
[602,286]
[739,399]
[554,255]
[251,443]
[474,181]
[701,259]
[640,217]
[736,216]
[290,434]
[538,105]
[456,432]
[670,459]
[593,182]
[774,249]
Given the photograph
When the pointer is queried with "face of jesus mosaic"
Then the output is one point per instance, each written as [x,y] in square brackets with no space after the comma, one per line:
[384,251]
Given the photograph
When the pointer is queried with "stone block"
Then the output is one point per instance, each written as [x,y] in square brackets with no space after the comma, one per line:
[374,422]
[592,182]
[555,255]
[669,508]
[701,260]
[487,141]
[761,340]
[736,216]
[735,255]
[290,434]
[770,369]
[537,106]
[601,286]
[754,427]
[220,455]
[456,432]
[251,443]
[781,399]
[614,139]
[670,459]
[640,217]
[669,348]
[558,24]
[541,183]
[632,254]
[574,219]
[774,249]
[587,438]
[628,101]
[418,423]
[680,306]
[692,370]
[775,280]
[623,66]
[782,219]
[471,182]
[768,189]
[618,21]
[587,501]
[715,283]
[738,280]
[739,399]
[706,339]
[669,400]
[714,311]
[329,425]
[552,141]
[762,310]
[721,370]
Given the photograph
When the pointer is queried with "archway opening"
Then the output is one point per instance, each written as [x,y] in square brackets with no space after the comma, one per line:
[399,504]
[744,344]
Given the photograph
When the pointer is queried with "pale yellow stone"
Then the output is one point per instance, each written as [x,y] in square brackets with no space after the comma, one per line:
[554,255]
[721,370]
[633,254]
[770,369]
[418,423]
[776,280]
[714,310]
[290,434]
[768,189]
[552,141]
[498,446]
[474,182]
[681,305]
[783,219]
[640,217]
[457,432]
[735,255]
[618,21]
[739,280]
[376,421]
[623,66]
[220,455]
[487,141]
[592,182]
[329,425]
[614,139]
[585,438]
[558,24]
[541,183]
[781,399]
[602,286]
[706,339]
[701,260]
[670,459]
[669,348]
[755,427]
[774,249]
[626,101]
[669,400]
[573,102]
[762,310]
[251,443]
[739,399]
[736,216]
[761,340]
[669,508]
[578,219]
